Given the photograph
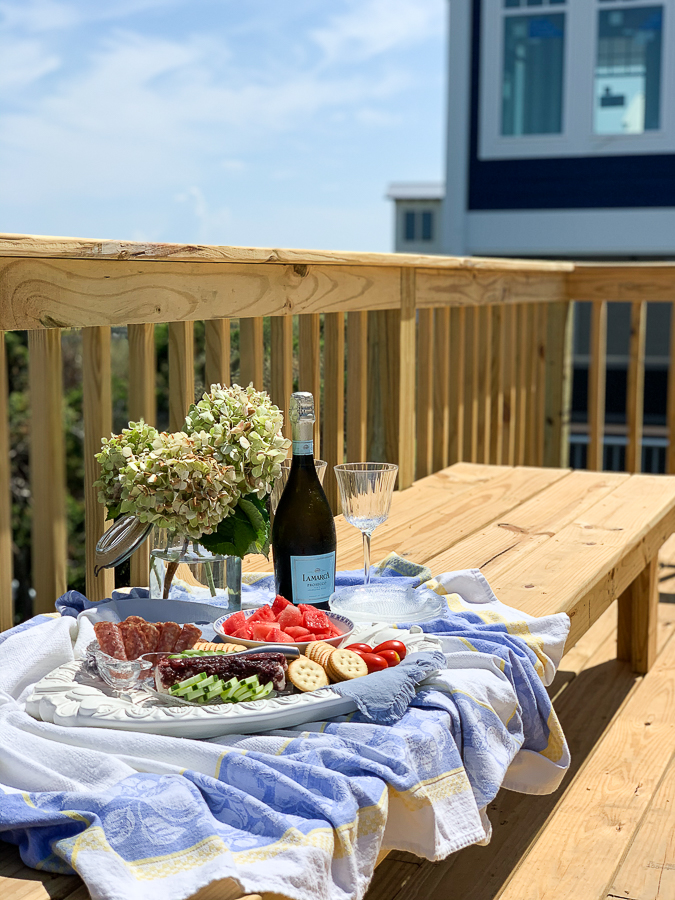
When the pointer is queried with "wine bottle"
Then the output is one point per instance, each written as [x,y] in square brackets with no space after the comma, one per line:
[303,531]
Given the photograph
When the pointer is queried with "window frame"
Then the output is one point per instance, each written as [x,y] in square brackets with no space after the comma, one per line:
[577,137]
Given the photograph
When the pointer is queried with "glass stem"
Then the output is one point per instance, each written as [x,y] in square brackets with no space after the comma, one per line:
[366,557]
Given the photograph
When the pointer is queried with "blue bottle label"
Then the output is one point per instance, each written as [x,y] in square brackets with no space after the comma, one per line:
[313,577]
[303,448]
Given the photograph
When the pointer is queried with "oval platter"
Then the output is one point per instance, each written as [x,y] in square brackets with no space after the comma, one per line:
[70,696]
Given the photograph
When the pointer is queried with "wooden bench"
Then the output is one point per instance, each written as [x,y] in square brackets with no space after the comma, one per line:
[548,540]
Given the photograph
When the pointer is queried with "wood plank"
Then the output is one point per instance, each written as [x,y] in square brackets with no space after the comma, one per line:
[647,872]
[47,469]
[483,367]
[522,390]
[18,882]
[441,389]
[448,287]
[405,383]
[334,401]
[6,560]
[281,366]
[494,548]
[638,605]
[431,522]
[530,387]
[540,380]
[142,405]
[251,352]
[603,808]
[636,386]
[558,384]
[217,340]
[597,371]
[357,386]
[471,333]
[670,413]
[593,559]
[425,393]
[82,292]
[457,384]
[97,405]
[510,337]
[622,282]
[309,366]
[181,372]
[496,388]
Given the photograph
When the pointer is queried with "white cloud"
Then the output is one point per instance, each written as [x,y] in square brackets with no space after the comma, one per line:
[24,62]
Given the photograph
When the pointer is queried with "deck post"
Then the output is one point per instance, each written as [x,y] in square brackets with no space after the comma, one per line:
[638,617]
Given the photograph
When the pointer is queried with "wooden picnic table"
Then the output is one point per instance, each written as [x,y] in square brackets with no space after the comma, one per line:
[548,540]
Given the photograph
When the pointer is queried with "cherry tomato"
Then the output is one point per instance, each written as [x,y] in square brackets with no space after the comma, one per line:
[391,656]
[398,646]
[363,648]
[374,662]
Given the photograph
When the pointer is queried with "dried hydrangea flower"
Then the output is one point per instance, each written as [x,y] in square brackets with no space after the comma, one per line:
[116,451]
[243,427]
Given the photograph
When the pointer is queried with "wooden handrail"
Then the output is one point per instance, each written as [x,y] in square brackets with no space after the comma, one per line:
[421,360]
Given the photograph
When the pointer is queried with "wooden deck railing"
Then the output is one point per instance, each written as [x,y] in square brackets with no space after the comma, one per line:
[434,359]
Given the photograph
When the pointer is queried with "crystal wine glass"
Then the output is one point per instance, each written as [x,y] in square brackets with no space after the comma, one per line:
[365,494]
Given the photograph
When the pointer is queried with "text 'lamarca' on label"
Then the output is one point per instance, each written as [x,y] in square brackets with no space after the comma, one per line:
[313,577]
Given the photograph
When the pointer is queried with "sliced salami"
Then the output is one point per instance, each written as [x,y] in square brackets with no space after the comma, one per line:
[169,633]
[135,620]
[150,635]
[110,639]
[188,637]
[132,636]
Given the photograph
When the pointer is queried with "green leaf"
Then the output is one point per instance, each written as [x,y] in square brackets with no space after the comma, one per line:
[245,531]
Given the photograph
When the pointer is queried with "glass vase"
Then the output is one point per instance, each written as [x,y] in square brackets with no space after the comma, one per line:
[182,569]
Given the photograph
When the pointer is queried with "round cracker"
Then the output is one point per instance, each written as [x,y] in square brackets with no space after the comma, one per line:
[307,675]
[344,665]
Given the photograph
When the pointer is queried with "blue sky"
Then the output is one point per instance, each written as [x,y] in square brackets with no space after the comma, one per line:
[254,123]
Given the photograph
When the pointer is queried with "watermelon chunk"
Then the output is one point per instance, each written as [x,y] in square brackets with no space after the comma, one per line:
[262,630]
[233,622]
[291,615]
[316,620]
[298,633]
[278,637]
[280,603]
[264,614]
[246,632]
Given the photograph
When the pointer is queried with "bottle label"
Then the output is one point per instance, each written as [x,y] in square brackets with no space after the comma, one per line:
[313,577]
[303,448]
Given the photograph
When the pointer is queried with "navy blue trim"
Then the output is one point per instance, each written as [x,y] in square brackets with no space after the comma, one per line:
[586,182]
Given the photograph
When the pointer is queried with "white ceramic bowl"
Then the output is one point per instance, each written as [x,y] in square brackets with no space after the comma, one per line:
[345,625]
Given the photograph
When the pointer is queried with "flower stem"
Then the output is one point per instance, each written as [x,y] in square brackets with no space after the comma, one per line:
[171,570]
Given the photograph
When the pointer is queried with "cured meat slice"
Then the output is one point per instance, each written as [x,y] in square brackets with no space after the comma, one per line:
[110,639]
[150,635]
[169,633]
[188,637]
[267,666]
[135,620]
[132,636]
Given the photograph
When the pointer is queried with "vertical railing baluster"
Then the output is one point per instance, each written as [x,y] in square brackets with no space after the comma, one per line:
[6,562]
[334,401]
[558,383]
[670,460]
[597,372]
[509,342]
[483,336]
[496,386]
[97,403]
[217,341]
[142,405]
[47,469]
[181,372]
[405,383]
[309,366]
[523,352]
[357,386]
[441,388]
[281,365]
[636,385]
[425,396]
[542,346]
[251,352]
[471,385]
[457,384]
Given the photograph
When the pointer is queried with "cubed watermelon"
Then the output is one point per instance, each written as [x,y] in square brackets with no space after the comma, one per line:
[291,615]
[280,603]
[264,614]
[246,632]
[298,633]
[316,620]
[233,622]
[262,630]
[283,638]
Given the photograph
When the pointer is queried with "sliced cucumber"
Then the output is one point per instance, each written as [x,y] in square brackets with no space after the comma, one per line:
[183,686]
[194,694]
[229,688]
[214,691]
[262,691]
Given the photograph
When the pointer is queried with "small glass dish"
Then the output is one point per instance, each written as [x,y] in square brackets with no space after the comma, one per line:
[388,603]
[119,674]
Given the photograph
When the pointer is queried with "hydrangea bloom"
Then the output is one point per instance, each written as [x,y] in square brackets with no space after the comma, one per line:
[116,451]
[243,427]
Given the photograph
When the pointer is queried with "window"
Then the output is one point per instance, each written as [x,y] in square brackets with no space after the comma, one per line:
[628,70]
[532,86]
[418,225]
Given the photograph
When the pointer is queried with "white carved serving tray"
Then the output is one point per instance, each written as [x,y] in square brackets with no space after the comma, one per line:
[71,696]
